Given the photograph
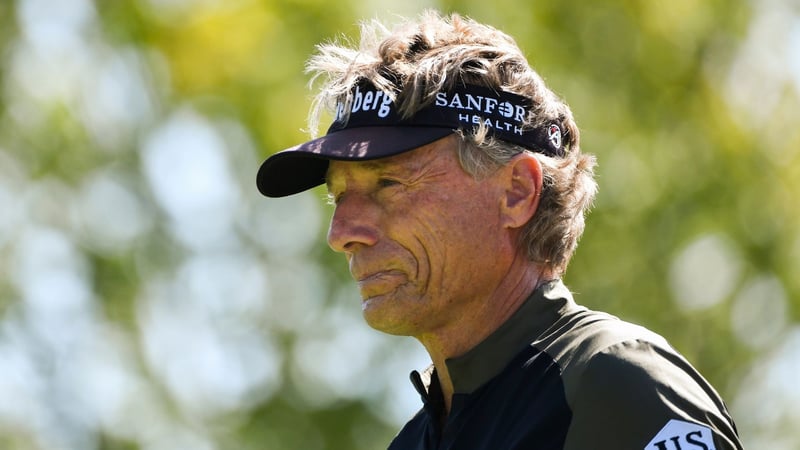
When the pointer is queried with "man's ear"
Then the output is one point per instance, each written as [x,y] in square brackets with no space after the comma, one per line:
[522,180]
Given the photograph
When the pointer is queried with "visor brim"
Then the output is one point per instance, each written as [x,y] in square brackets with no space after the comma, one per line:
[304,166]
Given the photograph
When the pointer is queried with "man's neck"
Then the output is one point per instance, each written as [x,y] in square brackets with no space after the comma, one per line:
[476,326]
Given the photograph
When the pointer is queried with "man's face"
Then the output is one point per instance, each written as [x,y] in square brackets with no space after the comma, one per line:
[422,237]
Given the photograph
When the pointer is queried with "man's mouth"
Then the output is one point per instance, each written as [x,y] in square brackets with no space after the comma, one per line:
[379,283]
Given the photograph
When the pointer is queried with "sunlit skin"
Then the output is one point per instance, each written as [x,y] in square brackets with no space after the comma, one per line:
[433,250]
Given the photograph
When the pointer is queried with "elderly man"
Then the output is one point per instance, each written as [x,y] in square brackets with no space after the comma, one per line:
[459,193]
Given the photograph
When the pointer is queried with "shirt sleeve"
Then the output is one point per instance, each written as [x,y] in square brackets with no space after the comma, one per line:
[636,395]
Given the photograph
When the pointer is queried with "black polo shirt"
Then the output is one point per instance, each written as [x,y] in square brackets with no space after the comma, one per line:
[559,376]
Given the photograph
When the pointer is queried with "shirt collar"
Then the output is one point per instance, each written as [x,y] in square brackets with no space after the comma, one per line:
[480,364]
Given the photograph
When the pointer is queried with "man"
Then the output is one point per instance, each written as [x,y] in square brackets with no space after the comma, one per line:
[459,193]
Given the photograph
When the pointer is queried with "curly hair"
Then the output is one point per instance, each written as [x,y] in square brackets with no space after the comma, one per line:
[419,58]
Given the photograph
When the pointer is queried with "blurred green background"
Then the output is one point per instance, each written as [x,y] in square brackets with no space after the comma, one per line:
[151,299]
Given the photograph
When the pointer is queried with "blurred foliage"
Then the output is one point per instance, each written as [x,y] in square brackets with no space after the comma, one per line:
[690,106]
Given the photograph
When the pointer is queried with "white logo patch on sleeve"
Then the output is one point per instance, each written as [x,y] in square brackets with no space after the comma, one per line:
[680,435]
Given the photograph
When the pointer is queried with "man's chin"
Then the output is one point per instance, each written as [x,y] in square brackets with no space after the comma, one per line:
[383,313]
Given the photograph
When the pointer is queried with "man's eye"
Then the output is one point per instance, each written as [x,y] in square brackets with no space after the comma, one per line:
[387,182]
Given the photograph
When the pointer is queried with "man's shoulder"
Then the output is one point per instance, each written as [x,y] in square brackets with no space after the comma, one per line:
[582,334]
[608,364]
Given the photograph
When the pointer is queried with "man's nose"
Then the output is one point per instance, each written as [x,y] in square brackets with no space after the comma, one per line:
[354,223]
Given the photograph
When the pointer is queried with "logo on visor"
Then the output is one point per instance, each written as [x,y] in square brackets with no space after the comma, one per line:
[371,100]
[502,114]
[554,135]
[476,109]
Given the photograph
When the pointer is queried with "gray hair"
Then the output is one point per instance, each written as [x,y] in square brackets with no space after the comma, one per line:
[420,58]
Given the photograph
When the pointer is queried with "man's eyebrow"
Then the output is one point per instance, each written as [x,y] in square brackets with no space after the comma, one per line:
[368,165]
[374,164]
[381,165]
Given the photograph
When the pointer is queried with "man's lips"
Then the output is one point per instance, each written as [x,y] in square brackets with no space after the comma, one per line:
[380,282]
